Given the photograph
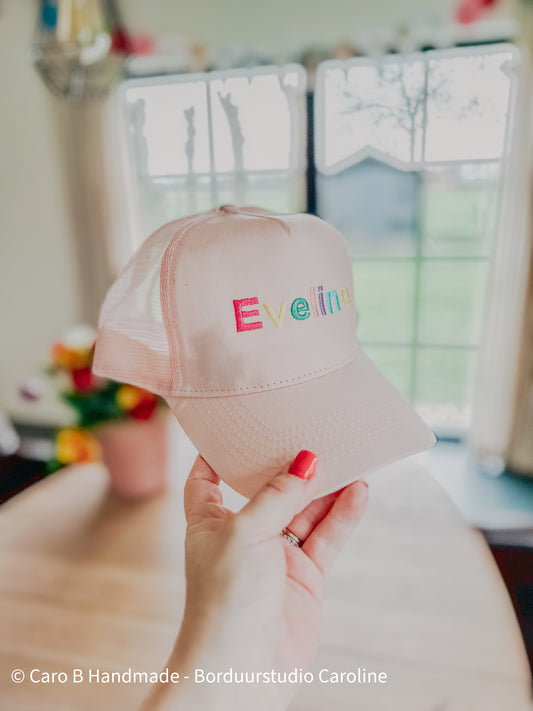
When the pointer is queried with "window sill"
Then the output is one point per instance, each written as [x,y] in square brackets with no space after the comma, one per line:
[501,506]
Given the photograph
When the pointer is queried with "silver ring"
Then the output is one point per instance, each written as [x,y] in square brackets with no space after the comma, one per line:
[291,538]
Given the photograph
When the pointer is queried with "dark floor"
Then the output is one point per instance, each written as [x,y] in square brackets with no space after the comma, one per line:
[516,567]
[16,473]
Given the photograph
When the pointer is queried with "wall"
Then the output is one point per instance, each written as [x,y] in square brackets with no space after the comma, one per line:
[278,23]
[38,290]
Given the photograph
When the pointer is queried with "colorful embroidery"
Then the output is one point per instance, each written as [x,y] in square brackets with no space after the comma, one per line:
[330,294]
[300,309]
[278,320]
[240,314]
[320,303]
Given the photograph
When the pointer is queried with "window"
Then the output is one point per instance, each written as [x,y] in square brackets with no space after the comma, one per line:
[410,154]
[410,159]
[196,141]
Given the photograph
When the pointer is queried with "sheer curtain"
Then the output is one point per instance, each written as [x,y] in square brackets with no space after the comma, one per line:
[94,197]
[499,424]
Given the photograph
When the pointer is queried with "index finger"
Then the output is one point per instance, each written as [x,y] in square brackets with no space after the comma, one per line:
[326,540]
[201,487]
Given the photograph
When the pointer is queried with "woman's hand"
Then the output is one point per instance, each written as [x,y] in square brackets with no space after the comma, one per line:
[253,601]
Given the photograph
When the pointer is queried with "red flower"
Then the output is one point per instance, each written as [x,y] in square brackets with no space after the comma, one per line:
[144,410]
[82,379]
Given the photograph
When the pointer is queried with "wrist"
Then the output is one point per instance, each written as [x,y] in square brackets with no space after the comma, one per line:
[199,691]
[202,636]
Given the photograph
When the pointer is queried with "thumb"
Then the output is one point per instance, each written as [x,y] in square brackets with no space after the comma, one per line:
[201,490]
[275,505]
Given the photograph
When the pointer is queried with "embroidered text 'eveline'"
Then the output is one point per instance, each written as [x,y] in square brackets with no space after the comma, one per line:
[319,303]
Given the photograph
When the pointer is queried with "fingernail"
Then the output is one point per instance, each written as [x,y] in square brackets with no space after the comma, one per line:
[304,465]
[364,483]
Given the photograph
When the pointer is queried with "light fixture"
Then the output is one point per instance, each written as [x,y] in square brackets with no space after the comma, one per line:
[80,47]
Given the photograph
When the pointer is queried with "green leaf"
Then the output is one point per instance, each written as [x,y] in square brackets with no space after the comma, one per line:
[95,407]
[52,466]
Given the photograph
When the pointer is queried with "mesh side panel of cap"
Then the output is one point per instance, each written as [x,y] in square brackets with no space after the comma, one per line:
[132,344]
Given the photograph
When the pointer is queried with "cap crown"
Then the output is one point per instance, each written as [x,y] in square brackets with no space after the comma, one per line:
[230,302]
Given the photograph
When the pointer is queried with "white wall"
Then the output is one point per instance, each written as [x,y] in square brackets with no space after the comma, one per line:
[39,276]
[280,23]
[288,25]
[38,293]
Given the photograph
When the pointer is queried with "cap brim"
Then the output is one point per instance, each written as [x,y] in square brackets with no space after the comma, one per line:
[353,419]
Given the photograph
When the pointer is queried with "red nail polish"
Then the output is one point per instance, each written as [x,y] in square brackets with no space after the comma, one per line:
[304,465]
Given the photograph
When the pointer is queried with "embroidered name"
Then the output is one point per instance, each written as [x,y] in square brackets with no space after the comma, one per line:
[319,303]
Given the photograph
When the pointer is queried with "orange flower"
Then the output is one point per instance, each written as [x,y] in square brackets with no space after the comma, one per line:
[129,396]
[69,358]
[76,445]
[75,350]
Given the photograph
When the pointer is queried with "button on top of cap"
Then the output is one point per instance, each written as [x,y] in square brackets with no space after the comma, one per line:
[229,208]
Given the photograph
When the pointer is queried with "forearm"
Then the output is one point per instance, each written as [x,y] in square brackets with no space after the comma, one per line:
[204,645]
[197,689]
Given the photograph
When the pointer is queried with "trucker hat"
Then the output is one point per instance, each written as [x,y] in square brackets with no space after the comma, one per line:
[245,321]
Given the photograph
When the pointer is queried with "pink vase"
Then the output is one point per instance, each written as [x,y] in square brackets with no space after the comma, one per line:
[135,453]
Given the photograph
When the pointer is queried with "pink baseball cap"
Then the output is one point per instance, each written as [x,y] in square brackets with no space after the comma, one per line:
[245,322]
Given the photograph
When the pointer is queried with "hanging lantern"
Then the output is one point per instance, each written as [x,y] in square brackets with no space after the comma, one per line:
[80,48]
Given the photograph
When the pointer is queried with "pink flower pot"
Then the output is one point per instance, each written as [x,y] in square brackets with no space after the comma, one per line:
[135,453]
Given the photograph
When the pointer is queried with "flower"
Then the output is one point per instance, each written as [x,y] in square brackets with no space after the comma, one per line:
[74,445]
[75,350]
[65,358]
[82,379]
[93,399]
[139,403]
[128,397]
[144,409]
